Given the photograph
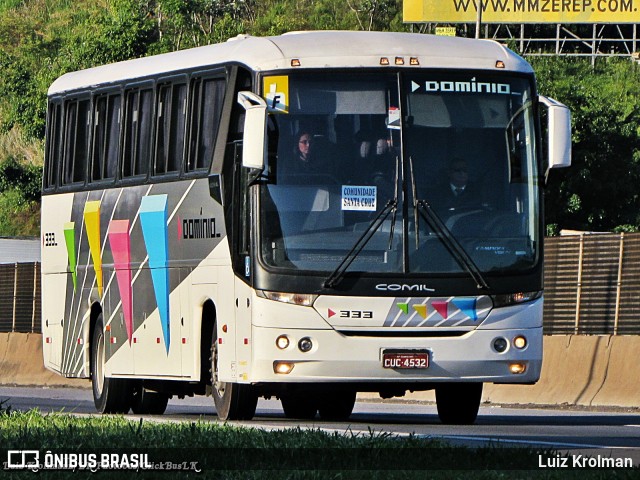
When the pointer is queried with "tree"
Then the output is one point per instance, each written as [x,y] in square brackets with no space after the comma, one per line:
[600,191]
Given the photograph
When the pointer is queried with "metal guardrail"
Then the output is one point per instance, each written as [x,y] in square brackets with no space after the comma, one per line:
[592,287]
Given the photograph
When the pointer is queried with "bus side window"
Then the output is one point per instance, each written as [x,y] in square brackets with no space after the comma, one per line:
[170,128]
[206,100]
[76,141]
[52,160]
[137,140]
[106,136]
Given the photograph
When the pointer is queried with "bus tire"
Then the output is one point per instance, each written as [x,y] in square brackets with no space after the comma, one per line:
[337,406]
[458,403]
[146,402]
[110,395]
[233,401]
[299,406]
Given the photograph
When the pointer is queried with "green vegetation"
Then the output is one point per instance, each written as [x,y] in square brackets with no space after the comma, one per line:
[223,451]
[42,39]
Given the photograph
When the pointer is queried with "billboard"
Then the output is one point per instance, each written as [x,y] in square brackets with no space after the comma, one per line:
[522,11]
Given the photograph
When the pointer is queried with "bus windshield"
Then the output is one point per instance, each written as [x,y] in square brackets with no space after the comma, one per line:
[444,165]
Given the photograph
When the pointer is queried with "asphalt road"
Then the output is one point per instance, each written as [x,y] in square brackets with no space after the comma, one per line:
[606,433]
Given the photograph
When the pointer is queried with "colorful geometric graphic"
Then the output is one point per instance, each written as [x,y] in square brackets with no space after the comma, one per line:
[119,242]
[421,309]
[442,308]
[404,307]
[467,306]
[70,240]
[92,222]
[153,218]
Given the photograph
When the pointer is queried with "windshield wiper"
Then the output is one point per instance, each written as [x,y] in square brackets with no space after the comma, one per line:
[391,206]
[450,242]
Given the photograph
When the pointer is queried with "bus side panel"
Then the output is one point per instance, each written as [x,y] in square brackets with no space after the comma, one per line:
[58,274]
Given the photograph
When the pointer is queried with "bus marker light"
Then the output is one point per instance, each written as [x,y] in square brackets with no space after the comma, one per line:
[305,344]
[499,64]
[246,341]
[184,341]
[399,60]
[520,342]
[384,61]
[283,368]
[295,62]
[282,342]
[225,328]
[107,328]
[220,341]
[517,368]
[114,340]
[414,61]
[48,340]
[157,339]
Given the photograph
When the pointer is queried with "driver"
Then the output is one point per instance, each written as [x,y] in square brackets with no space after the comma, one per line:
[457,191]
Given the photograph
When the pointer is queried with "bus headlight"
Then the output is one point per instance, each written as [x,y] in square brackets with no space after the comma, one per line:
[517,368]
[302,299]
[520,342]
[305,344]
[282,342]
[505,300]
[283,368]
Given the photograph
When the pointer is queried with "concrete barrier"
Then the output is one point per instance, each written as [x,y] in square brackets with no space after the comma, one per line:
[598,370]
[577,370]
[21,363]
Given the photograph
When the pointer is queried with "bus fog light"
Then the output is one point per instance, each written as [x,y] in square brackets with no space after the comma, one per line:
[305,344]
[282,342]
[520,342]
[517,368]
[500,344]
[283,368]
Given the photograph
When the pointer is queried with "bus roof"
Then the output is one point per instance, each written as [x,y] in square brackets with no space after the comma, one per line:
[314,49]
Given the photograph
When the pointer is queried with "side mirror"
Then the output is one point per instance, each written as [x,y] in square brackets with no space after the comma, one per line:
[255,130]
[558,133]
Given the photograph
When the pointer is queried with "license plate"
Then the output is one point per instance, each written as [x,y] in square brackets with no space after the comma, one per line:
[405,360]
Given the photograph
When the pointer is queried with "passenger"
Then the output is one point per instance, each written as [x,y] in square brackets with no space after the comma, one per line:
[302,153]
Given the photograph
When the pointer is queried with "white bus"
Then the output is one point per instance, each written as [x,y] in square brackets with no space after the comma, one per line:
[265,218]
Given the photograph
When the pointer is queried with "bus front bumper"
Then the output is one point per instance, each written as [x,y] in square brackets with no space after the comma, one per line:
[334,357]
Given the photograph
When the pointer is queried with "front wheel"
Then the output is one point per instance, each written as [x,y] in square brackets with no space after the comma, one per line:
[233,401]
[458,403]
[110,395]
[336,406]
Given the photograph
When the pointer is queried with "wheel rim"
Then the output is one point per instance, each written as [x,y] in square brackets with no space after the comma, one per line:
[218,386]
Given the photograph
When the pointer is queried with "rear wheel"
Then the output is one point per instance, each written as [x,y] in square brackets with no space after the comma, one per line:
[458,403]
[302,406]
[147,402]
[110,395]
[337,406]
[233,401]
